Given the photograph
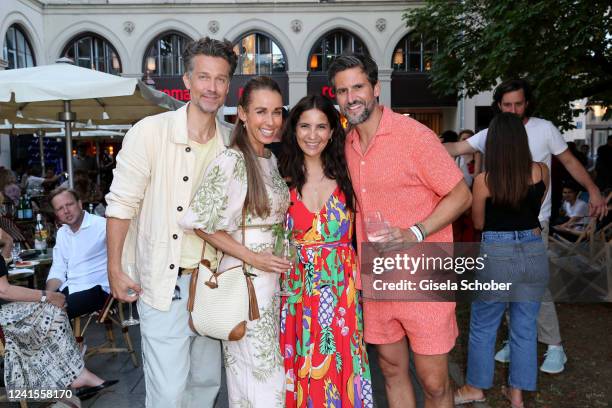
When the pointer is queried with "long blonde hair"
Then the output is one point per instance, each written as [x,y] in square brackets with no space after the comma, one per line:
[257,197]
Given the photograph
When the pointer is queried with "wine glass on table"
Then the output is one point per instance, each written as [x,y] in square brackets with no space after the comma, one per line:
[15,251]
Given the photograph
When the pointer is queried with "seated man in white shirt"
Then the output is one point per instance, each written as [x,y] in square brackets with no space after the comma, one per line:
[576,214]
[79,255]
[575,209]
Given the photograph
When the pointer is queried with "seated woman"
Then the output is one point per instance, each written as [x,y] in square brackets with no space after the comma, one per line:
[9,186]
[40,351]
[6,244]
[12,231]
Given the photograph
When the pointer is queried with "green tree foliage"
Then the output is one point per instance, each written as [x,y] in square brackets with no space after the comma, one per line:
[562,47]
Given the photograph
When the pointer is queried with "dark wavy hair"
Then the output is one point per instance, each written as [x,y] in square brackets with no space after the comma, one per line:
[211,48]
[257,197]
[508,160]
[511,86]
[334,163]
[353,60]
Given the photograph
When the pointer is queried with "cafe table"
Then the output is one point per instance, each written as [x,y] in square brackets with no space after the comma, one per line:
[32,268]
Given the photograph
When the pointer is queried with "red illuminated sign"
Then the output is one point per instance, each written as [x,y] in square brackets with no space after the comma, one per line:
[180,94]
[328,91]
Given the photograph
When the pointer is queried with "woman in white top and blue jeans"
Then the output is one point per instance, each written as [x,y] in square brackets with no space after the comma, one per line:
[506,203]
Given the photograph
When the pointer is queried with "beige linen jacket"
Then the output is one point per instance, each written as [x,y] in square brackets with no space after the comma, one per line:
[152,187]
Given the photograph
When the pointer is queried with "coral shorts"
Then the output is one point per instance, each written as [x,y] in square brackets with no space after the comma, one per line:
[431,327]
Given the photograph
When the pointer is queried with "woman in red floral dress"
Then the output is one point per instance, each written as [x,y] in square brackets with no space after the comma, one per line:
[325,359]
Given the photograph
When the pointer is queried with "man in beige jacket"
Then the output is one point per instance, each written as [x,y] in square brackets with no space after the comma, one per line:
[159,169]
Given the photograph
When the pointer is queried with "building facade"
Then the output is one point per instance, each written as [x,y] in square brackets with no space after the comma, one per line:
[292,41]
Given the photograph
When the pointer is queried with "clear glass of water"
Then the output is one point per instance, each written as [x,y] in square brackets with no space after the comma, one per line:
[15,251]
[130,321]
[375,225]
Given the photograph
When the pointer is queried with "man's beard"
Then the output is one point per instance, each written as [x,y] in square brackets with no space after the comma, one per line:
[363,116]
[205,107]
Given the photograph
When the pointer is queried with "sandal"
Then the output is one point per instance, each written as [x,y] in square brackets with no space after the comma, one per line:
[85,393]
[506,393]
[461,399]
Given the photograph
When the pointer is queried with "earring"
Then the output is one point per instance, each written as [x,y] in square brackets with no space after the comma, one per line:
[244,125]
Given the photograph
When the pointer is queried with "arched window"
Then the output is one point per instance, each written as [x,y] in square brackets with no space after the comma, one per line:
[332,45]
[414,54]
[164,55]
[258,54]
[17,48]
[94,52]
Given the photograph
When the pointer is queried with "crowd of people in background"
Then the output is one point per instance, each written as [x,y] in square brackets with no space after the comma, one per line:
[186,170]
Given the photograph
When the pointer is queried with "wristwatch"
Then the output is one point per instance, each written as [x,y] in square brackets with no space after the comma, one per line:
[43,298]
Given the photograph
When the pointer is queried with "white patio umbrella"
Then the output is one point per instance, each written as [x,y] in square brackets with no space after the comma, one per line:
[69,92]
[87,133]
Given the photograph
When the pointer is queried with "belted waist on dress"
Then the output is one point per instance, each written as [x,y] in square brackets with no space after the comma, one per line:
[315,244]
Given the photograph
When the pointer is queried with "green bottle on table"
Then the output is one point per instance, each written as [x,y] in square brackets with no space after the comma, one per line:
[40,235]
[21,209]
[27,212]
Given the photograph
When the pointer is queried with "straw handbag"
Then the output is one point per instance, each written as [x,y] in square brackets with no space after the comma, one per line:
[221,302]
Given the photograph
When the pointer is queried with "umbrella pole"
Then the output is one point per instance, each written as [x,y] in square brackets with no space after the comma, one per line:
[98,161]
[41,148]
[67,117]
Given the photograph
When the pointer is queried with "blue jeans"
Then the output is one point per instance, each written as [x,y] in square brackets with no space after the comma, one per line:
[531,263]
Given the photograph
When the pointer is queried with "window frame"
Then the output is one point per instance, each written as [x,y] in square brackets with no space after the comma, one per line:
[273,42]
[14,55]
[101,52]
[318,49]
[425,50]
[176,62]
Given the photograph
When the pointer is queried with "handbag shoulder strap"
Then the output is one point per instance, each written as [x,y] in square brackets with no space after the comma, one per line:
[203,260]
[243,224]
[243,230]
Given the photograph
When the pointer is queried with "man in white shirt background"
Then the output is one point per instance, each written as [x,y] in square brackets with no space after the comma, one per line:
[545,140]
[79,266]
[575,211]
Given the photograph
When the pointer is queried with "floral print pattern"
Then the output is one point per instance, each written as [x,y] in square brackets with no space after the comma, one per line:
[326,364]
[254,369]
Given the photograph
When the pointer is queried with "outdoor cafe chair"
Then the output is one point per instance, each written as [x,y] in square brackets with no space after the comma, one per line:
[111,314]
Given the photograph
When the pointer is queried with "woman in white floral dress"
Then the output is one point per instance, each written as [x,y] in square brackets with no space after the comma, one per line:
[247,174]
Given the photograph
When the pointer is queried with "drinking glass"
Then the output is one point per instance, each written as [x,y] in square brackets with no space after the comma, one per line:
[289,253]
[130,321]
[375,224]
[15,251]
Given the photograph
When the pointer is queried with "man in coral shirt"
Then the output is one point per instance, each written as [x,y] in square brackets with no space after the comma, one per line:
[400,169]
